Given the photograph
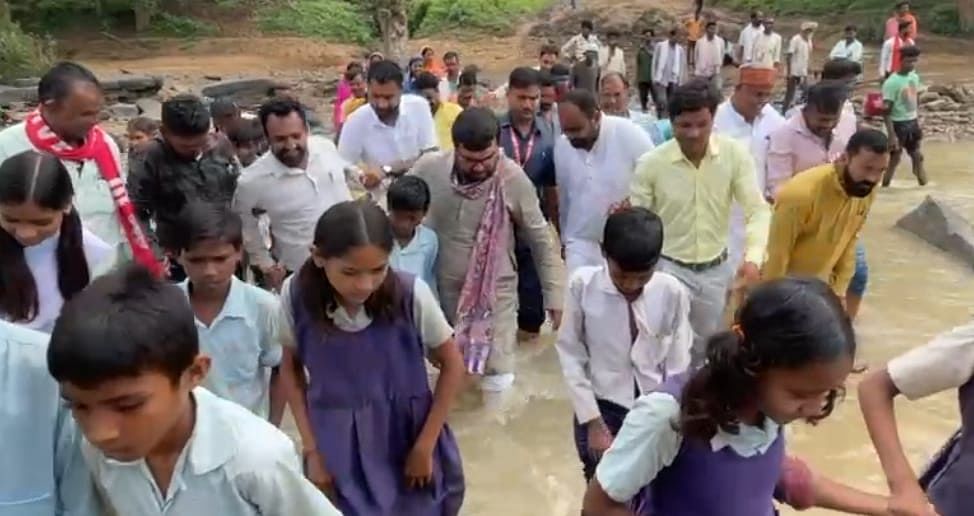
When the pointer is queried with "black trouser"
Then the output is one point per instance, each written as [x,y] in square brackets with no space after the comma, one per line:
[791,89]
[613,415]
[645,93]
[530,301]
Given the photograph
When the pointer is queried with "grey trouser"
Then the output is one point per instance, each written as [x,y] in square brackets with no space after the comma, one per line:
[708,296]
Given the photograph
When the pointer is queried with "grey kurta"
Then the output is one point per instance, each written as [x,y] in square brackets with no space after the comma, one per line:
[456,219]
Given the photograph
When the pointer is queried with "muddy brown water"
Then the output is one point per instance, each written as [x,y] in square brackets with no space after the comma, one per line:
[520,458]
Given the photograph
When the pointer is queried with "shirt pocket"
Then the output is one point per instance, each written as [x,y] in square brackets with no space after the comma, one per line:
[235,351]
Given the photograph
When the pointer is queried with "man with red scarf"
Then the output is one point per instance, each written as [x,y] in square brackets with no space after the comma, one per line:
[65,125]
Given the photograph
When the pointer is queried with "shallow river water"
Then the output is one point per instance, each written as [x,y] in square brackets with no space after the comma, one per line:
[520,459]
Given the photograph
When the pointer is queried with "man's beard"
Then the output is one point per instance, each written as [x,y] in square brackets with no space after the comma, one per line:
[292,158]
[856,188]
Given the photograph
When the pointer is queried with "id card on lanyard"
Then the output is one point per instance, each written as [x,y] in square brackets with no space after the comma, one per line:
[516,148]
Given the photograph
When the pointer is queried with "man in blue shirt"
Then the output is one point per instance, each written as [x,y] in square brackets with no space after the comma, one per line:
[529,141]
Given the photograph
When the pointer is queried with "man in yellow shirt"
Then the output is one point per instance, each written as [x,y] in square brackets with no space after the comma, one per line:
[444,112]
[818,214]
[690,182]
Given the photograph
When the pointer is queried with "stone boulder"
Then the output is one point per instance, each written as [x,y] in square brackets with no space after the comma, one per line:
[150,108]
[11,95]
[941,226]
[241,87]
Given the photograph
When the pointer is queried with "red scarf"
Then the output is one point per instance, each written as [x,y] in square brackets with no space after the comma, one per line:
[96,148]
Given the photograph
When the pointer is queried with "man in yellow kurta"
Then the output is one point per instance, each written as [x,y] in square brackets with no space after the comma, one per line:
[444,112]
[690,182]
[818,214]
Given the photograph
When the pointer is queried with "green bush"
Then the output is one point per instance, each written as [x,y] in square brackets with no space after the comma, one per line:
[22,54]
[491,15]
[336,20]
[165,24]
[938,16]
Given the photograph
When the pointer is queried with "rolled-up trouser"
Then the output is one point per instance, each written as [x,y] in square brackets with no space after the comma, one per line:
[860,278]
[708,295]
[613,415]
[530,300]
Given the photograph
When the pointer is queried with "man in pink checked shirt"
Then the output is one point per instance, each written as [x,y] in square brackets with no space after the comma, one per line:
[810,137]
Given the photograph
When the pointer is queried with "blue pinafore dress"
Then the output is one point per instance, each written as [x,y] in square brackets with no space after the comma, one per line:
[368,398]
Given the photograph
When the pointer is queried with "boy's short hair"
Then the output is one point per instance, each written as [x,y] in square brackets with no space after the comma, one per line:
[123,324]
[408,193]
[202,221]
[633,239]
[246,131]
[186,115]
[142,124]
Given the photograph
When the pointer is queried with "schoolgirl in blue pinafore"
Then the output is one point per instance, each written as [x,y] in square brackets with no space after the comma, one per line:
[368,399]
[944,363]
[711,442]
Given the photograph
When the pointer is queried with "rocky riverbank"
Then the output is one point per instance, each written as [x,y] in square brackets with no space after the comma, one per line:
[946,111]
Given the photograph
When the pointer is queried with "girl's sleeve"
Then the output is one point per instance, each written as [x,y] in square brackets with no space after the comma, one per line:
[946,362]
[428,316]
[646,444]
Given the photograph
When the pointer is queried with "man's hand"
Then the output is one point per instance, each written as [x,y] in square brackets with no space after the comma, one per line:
[555,317]
[618,206]
[749,273]
[599,438]
[274,275]
[371,177]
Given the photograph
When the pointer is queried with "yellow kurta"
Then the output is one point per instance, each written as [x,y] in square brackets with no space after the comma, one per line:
[443,119]
[814,227]
[695,203]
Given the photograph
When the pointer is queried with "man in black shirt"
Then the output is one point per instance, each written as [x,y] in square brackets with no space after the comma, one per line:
[183,165]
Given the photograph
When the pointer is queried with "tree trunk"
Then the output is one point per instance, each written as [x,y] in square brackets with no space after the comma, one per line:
[4,12]
[965,12]
[394,27]
[143,14]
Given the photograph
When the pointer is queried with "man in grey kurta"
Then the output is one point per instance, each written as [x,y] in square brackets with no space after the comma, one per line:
[477,157]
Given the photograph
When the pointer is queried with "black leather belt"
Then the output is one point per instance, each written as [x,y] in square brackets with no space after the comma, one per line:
[702,266]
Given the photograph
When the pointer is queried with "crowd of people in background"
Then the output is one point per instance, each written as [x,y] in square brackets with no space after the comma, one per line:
[241,264]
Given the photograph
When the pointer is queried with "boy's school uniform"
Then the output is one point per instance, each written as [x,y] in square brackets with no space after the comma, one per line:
[419,256]
[600,358]
[234,463]
[650,462]
[244,345]
[42,472]
[947,362]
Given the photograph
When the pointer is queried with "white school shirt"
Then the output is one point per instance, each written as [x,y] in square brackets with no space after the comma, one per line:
[367,140]
[430,322]
[42,261]
[243,343]
[293,198]
[766,50]
[746,41]
[845,50]
[92,196]
[946,362]
[648,443]
[42,472]
[234,463]
[590,182]
[800,52]
[599,359]
[612,61]
[667,62]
